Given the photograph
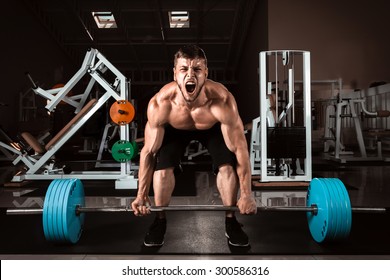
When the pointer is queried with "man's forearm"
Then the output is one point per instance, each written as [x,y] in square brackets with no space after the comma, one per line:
[244,174]
[145,174]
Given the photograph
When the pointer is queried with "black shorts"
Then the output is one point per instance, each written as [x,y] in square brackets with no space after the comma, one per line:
[176,140]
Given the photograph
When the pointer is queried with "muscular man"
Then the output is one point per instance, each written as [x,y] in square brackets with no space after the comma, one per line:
[193,107]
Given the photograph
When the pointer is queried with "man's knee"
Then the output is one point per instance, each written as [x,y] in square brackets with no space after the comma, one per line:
[164,174]
[226,170]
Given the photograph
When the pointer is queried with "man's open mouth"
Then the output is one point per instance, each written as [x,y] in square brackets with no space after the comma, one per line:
[190,87]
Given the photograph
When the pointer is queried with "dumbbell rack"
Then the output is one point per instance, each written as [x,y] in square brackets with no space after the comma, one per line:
[95,65]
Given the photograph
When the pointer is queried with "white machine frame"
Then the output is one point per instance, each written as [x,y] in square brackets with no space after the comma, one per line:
[281,60]
[352,106]
[94,65]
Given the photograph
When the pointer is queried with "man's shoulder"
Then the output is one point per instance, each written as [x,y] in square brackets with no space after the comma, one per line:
[217,91]
[166,92]
[171,86]
[163,97]
[213,84]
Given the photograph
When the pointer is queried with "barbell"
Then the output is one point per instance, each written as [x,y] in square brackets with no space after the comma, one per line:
[328,208]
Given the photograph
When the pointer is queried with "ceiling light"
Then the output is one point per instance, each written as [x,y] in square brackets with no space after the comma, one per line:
[104,19]
[179,19]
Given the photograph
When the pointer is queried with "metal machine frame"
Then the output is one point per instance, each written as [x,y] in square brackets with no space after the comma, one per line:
[353,106]
[94,65]
[283,84]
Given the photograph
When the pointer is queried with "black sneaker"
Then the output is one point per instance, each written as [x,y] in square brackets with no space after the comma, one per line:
[155,235]
[236,236]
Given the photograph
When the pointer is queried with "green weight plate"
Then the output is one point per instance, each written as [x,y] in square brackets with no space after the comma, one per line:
[73,223]
[348,208]
[49,202]
[122,151]
[319,222]
[337,211]
[136,150]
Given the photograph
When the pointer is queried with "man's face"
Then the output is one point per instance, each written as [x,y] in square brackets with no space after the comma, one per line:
[190,75]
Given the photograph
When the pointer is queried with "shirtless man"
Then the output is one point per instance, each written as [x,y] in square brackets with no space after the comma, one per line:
[193,107]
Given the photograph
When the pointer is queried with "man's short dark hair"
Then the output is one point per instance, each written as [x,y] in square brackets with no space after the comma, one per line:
[190,52]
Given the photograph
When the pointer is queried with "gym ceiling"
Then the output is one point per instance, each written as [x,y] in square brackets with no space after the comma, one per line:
[143,43]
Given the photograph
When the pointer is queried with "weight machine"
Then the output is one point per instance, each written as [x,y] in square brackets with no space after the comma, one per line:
[280,149]
[349,110]
[42,166]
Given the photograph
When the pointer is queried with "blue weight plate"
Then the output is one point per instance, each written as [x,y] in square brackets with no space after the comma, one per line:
[343,222]
[335,208]
[70,183]
[57,222]
[59,213]
[329,233]
[342,210]
[348,209]
[332,211]
[45,216]
[48,210]
[338,211]
[73,224]
[55,205]
[346,223]
[319,222]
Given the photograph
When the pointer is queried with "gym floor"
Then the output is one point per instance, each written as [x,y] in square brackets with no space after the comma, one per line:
[200,235]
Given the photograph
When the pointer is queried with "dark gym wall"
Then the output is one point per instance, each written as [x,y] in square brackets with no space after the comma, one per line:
[347,39]
[27,47]
[248,76]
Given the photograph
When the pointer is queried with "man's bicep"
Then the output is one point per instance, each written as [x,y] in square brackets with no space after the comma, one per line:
[232,137]
[153,137]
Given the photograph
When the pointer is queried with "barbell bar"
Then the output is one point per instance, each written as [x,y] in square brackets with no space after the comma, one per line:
[174,208]
[328,210]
